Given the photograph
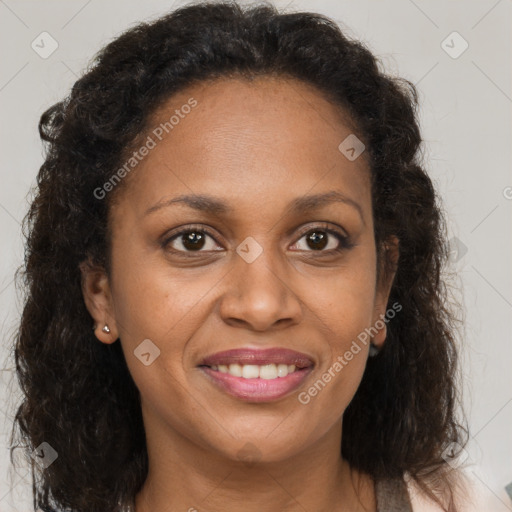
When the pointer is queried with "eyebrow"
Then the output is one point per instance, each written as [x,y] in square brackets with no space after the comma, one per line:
[214,206]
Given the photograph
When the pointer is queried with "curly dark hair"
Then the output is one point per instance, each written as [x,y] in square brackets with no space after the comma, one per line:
[78,394]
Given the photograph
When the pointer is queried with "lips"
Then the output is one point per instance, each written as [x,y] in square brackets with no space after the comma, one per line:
[257,375]
[248,356]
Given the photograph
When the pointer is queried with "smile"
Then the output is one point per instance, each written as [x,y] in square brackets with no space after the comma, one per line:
[257,375]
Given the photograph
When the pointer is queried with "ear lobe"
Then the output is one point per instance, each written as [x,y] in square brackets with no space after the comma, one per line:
[98,300]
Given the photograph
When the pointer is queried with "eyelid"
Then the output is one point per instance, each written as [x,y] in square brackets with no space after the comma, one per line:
[324,225]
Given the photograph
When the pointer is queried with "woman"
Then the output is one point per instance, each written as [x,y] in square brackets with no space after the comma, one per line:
[233,279]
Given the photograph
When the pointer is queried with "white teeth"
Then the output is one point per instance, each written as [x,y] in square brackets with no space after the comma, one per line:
[269,371]
[250,371]
[253,371]
[282,370]
[235,369]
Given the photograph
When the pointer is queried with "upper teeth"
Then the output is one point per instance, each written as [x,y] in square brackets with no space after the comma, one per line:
[253,371]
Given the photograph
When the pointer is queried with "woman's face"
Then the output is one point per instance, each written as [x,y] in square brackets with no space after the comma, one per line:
[248,273]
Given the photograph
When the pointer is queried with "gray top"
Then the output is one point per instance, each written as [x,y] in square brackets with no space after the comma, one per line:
[391,496]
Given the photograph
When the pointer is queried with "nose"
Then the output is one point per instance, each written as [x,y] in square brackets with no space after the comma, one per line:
[260,295]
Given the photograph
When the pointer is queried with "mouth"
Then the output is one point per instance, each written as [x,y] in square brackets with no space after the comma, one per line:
[257,375]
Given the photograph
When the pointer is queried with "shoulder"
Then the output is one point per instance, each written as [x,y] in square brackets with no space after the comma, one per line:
[469,494]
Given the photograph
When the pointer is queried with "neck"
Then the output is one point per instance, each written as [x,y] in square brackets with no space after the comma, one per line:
[185,476]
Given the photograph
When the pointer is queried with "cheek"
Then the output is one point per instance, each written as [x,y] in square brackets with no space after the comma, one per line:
[344,298]
[343,309]
[154,300]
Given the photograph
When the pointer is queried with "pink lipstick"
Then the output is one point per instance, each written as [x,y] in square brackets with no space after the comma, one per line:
[257,375]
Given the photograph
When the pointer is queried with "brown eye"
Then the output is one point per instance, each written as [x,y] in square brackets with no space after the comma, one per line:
[190,240]
[197,239]
[193,240]
[324,239]
[317,240]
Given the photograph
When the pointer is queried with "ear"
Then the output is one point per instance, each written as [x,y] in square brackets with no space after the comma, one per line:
[389,265]
[98,300]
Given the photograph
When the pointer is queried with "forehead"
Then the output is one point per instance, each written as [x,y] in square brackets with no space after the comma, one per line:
[263,105]
[248,139]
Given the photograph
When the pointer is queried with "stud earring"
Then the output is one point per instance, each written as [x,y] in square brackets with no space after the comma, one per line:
[106,329]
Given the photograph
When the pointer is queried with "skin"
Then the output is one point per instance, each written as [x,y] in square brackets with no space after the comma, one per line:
[257,145]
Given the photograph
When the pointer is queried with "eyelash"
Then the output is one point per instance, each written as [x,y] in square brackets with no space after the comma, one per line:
[344,241]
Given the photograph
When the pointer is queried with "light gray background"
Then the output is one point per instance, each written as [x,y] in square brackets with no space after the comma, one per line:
[466,122]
